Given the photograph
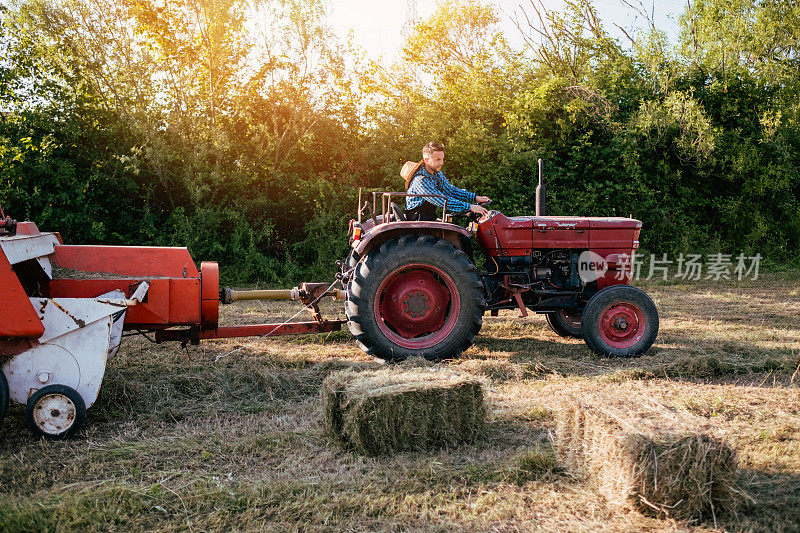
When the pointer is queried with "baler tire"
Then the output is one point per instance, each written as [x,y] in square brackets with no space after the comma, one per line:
[562,325]
[620,321]
[447,312]
[5,394]
[61,396]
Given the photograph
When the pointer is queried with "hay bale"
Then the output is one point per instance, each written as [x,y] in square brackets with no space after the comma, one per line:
[648,456]
[393,410]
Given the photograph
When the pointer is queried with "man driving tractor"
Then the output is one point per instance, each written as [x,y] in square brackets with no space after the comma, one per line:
[426,177]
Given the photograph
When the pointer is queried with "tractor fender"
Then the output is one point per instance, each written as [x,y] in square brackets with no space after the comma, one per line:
[455,235]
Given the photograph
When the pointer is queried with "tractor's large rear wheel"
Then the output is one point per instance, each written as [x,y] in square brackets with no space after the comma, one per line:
[415,296]
[620,321]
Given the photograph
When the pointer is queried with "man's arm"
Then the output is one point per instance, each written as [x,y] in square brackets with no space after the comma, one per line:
[426,185]
[469,197]
[459,194]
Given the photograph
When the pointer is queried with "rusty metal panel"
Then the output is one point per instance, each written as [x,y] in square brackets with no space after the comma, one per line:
[168,301]
[24,247]
[72,352]
[153,311]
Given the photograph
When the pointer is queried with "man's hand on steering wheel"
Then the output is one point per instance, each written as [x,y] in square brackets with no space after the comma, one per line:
[477,213]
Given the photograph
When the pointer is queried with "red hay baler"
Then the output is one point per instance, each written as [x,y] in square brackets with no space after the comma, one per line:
[65,308]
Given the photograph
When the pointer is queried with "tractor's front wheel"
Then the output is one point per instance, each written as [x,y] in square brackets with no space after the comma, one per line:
[415,296]
[620,321]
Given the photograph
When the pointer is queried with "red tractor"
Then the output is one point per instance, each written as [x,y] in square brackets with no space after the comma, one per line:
[413,288]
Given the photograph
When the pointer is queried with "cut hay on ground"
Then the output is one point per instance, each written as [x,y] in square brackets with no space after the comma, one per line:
[646,455]
[394,410]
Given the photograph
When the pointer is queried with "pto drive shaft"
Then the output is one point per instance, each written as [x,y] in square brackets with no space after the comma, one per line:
[304,292]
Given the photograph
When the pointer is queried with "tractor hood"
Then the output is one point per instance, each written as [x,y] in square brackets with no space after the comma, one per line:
[513,236]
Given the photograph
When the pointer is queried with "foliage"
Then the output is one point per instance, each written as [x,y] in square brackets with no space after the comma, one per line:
[243,129]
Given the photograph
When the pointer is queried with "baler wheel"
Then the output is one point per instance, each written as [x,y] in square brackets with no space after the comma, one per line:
[566,323]
[4,396]
[415,296]
[55,412]
[620,321]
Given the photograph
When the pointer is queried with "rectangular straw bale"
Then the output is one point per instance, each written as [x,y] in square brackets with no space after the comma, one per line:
[389,410]
[648,456]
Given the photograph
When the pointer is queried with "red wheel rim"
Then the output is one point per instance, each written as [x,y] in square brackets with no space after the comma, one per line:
[622,324]
[417,306]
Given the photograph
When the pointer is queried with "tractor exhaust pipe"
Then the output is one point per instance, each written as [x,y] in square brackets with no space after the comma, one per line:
[228,295]
[541,201]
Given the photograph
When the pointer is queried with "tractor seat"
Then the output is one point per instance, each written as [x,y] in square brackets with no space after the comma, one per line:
[398,214]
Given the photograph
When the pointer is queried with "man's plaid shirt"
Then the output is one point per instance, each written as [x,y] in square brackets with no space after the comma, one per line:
[424,182]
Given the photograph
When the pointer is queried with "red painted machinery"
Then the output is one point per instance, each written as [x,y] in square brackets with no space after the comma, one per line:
[413,289]
[65,307]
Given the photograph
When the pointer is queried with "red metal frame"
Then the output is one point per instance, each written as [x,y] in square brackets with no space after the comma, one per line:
[179,294]
[169,302]
[174,297]
[19,316]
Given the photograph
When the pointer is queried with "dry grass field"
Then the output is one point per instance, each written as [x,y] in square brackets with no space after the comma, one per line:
[179,442]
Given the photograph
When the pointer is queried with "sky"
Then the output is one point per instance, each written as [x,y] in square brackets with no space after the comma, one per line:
[377,25]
